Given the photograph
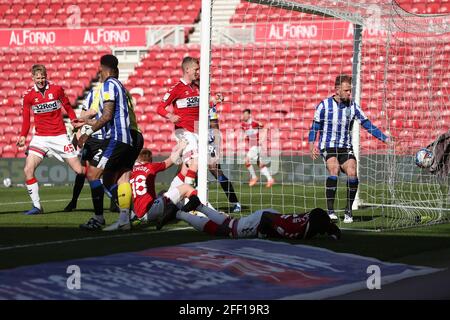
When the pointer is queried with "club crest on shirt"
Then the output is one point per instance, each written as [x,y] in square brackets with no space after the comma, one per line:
[348,112]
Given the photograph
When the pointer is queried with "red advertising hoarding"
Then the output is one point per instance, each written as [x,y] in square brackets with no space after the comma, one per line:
[310,30]
[108,36]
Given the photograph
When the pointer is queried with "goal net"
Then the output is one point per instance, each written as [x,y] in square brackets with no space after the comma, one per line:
[279,59]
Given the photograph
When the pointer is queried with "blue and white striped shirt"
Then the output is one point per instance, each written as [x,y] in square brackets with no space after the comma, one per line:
[336,122]
[113,90]
[92,102]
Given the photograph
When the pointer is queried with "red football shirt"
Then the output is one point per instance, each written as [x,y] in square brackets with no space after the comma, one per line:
[251,130]
[143,185]
[289,226]
[185,99]
[46,108]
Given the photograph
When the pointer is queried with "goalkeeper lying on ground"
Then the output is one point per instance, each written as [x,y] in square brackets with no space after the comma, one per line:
[262,223]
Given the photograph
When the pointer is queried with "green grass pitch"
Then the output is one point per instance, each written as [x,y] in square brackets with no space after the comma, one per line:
[55,236]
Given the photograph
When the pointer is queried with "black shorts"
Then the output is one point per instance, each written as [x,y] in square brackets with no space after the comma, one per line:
[93,150]
[138,144]
[116,156]
[342,154]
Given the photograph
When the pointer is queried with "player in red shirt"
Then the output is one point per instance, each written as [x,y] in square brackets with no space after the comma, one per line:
[252,130]
[262,223]
[143,179]
[184,98]
[45,100]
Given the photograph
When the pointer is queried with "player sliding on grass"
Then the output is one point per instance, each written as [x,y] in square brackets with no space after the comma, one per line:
[143,178]
[262,223]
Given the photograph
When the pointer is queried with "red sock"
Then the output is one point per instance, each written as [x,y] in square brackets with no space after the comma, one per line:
[211,227]
[191,174]
[31,181]
[181,176]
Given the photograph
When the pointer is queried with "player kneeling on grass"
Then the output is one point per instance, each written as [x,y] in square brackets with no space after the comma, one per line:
[262,223]
[143,178]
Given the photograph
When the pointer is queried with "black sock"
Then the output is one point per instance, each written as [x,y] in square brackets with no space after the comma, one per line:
[97,193]
[114,202]
[352,189]
[193,203]
[331,187]
[79,183]
[228,189]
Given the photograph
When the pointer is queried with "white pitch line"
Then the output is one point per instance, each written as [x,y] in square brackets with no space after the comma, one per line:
[43,201]
[39,244]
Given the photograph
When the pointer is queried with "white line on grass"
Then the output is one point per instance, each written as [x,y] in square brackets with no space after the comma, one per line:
[43,201]
[39,244]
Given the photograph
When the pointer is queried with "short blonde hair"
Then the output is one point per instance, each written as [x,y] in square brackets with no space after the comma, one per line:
[38,68]
[187,61]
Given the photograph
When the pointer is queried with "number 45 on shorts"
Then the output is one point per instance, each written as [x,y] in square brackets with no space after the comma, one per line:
[68,148]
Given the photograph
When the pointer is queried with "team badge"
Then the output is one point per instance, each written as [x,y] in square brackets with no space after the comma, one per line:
[348,112]
[50,96]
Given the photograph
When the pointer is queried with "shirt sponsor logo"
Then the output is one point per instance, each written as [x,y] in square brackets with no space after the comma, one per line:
[190,102]
[47,107]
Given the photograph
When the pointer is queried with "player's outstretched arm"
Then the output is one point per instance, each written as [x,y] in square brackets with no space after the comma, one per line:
[374,131]
[218,98]
[88,114]
[108,112]
[175,155]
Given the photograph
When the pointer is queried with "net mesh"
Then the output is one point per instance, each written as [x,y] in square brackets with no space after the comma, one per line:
[280,59]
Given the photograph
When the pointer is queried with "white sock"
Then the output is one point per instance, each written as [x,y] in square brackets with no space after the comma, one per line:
[196,221]
[176,182]
[252,171]
[173,194]
[124,216]
[214,215]
[189,180]
[265,171]
[33,191]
